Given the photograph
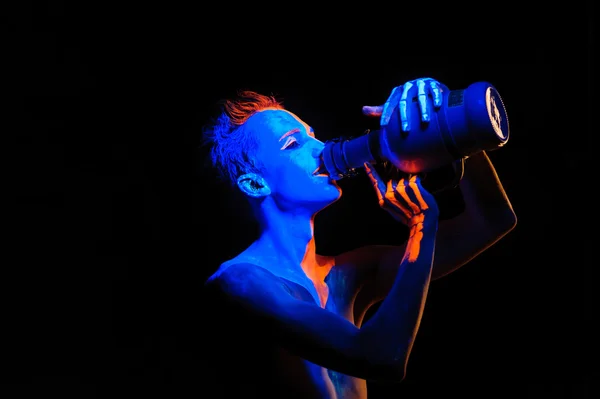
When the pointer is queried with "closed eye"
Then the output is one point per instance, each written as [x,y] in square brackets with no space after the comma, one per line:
[291,142]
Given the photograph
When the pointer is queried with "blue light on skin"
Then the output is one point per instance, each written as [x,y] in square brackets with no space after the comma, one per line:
[287,196]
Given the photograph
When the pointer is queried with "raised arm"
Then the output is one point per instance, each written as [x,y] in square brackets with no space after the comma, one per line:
[488,216]
[378,350]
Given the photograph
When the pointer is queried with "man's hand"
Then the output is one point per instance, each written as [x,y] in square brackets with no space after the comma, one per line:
[409,203]
[405,199]
[400,96]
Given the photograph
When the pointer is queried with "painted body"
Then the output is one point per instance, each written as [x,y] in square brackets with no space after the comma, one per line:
[298,318]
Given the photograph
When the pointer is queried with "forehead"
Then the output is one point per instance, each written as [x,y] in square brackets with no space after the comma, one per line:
[278,122]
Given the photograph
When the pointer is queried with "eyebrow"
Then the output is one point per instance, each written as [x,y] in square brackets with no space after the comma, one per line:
[296,130]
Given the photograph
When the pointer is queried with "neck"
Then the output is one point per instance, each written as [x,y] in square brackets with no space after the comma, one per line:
[288,239]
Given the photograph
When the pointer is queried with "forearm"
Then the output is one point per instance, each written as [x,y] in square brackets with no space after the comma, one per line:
[390,332]
[482,190]
[487,217]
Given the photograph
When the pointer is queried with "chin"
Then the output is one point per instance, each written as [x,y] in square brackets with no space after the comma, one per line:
[336,194]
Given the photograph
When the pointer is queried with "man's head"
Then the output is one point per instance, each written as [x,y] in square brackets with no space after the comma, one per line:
[268,152]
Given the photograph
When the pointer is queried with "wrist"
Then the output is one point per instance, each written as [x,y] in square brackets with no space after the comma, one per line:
[426,218]
[428,222]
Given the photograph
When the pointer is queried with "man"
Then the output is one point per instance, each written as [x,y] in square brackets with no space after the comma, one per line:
[289,322]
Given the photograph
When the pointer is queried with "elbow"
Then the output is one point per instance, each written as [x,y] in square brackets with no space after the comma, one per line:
[501,224]
[511,219]
[507,223]
[498,228]
[513,222]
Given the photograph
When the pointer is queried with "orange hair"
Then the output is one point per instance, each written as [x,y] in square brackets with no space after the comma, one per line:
[247,104]
[231,143]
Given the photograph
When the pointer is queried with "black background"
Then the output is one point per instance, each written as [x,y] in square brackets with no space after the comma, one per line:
[117,225]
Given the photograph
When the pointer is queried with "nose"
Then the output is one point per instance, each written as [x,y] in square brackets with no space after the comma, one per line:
[316,144]
[317,148]
[317,153]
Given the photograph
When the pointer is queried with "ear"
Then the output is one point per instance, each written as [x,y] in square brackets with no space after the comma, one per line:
[253,185]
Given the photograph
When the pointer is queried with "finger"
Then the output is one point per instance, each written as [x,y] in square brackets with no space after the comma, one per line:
[391,197]
[403,105]
[377,182]
[437,93]
[372,110]
[401,189]
[422,97]
[389,105]
[415,183]
[398,211]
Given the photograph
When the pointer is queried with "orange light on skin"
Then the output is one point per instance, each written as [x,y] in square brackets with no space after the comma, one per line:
[286,134]
[413,246]
[372,110]
[416,230]
[411,214]
[390,196]
[412,183]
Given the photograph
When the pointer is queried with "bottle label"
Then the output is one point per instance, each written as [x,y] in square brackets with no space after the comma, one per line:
[493,101]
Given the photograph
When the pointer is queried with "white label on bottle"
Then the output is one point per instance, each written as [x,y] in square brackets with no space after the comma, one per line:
[494,113]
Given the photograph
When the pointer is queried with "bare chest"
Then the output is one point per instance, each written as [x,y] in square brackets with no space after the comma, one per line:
[333,298]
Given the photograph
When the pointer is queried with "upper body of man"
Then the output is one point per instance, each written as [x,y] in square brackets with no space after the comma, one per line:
[290,322]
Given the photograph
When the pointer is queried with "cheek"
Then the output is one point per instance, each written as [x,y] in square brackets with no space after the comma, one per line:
[292,171]
[269,159]
[302,160]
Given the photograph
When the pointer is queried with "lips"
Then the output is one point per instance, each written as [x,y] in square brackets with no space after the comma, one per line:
[320,171]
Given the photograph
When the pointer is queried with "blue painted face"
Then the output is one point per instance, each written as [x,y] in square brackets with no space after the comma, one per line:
[291,155]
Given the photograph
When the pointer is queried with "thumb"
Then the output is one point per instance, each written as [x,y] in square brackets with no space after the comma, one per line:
[378,184]
[372,110]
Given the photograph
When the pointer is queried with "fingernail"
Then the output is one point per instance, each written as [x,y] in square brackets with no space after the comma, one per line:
[425,117]
[405,126]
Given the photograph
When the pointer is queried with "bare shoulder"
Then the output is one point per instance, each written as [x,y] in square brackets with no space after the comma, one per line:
[242,281]
[232,275]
